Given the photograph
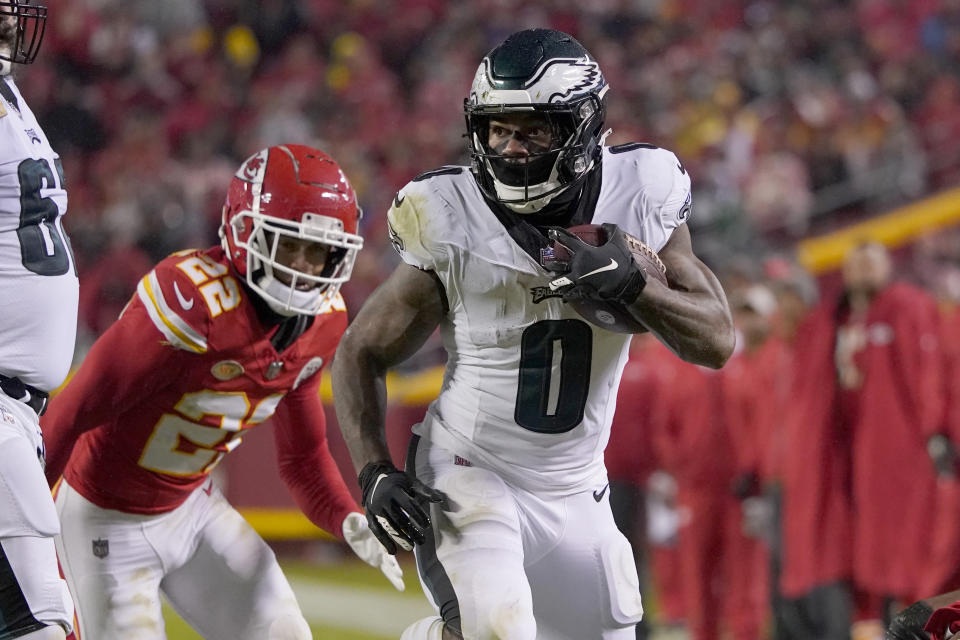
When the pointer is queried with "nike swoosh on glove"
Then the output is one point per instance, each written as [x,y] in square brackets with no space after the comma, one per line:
[604,273]
[361,539]
[397,505]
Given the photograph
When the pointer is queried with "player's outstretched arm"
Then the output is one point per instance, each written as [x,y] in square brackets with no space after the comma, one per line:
[691,316]
[394,322]
[312,476]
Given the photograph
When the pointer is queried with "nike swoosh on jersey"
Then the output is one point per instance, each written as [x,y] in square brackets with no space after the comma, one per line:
[177,330]
[610,267]
[598,495]
[186,304]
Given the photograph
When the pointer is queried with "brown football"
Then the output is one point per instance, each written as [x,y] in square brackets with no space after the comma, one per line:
[613,316]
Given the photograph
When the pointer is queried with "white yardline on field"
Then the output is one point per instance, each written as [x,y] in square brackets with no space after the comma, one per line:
[358,608]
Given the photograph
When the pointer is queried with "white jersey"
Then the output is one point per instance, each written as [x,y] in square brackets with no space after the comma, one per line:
[530,388]
[38,282]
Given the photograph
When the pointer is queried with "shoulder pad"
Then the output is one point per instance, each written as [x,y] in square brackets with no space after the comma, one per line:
[419,216]
[184,293]
[449,170]
[664,180]
[630,146]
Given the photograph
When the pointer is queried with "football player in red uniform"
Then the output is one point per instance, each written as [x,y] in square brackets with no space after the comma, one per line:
[213,343]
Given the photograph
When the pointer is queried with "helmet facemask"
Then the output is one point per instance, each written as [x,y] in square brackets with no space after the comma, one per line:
[290,224]
[286,290]
[529,186]
[22,26]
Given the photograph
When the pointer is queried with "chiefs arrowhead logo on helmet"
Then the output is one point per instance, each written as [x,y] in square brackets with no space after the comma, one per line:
[291,195]
[253,168]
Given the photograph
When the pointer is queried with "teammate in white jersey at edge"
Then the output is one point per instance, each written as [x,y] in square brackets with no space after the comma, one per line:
[39,290]
[504,495]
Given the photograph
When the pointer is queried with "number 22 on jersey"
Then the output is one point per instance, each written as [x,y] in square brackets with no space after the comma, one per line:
[219,291]
[185,447]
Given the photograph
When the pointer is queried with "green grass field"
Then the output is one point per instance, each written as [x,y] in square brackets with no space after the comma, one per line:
[343,599]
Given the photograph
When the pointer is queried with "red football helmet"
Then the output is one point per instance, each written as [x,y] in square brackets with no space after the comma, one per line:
[283,192]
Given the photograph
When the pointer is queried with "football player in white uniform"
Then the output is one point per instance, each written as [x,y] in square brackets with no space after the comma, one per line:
[505,494]
[39,289]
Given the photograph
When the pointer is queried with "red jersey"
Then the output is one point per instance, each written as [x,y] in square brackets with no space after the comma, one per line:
[629,455]
[756,392]
[174,384]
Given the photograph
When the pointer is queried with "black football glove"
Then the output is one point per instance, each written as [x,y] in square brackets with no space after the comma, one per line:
[394,503]
[908,624]
[606,273]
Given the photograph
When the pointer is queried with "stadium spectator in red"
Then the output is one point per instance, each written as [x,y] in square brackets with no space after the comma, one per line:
[867,399]
[796,294]
[692,445]
[754,397]
[629,456]
[889,367]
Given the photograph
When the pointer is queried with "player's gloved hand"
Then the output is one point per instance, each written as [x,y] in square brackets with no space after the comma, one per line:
[758,518]
[607,272]
[943,455]
[908,624]
[395,503]
[361,539]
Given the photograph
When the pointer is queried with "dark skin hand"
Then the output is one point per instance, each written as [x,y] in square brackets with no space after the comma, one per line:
[691,317]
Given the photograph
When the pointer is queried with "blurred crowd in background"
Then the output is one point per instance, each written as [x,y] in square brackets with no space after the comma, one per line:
[811,485]
[792,117]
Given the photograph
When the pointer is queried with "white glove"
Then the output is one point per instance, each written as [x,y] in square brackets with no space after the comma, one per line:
[758,518]
[368,548]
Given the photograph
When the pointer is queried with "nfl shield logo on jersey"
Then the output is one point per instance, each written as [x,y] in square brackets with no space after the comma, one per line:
[226,370]
[101,547]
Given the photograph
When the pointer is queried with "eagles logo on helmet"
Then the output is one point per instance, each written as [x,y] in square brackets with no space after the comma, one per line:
[548,73]
[295,192]
[22,26]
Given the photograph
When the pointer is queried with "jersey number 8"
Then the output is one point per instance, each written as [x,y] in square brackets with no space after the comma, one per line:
[43,247]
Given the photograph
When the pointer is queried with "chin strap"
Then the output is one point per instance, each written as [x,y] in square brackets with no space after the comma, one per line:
[279,297]
[536,204]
